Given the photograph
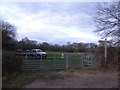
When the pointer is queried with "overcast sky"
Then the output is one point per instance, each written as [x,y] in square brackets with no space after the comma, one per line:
[56,23]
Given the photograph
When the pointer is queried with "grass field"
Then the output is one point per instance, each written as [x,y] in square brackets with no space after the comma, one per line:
[60,55]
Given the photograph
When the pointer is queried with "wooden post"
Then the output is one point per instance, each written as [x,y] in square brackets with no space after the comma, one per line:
[105,48]
[105,53]
[67,61]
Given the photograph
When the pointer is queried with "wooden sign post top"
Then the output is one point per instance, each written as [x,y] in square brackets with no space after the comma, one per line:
[105,47]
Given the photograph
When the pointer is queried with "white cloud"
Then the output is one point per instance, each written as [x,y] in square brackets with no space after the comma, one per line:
[47,25]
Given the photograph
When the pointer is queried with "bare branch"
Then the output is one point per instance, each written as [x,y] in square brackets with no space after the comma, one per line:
[107,20]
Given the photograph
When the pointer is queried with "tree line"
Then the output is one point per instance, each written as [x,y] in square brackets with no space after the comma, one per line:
[26,44]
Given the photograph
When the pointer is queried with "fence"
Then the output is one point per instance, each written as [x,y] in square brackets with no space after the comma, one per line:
[53,62]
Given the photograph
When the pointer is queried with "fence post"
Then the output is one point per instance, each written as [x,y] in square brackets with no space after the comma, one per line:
[67,58]
[26,56]
[41,56]
[82,57]
[91,61]
[54,62]
[80,60]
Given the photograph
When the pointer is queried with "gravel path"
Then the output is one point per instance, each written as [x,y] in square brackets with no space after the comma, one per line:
[78,80]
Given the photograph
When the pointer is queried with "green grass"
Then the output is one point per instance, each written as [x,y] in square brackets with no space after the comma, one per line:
[53,55]
[27,77]
[57,55]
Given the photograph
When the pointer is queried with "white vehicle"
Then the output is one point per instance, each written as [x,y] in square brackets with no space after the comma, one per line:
[33,52]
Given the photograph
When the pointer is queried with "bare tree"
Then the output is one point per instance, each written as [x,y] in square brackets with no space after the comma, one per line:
[107,19]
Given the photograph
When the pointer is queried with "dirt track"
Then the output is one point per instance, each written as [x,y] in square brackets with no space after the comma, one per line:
[78,80]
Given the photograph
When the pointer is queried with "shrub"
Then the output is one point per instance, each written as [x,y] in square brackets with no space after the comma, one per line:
[10,63]
[112,57]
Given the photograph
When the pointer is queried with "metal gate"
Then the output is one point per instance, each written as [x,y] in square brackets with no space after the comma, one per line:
[88,60]
[69,61]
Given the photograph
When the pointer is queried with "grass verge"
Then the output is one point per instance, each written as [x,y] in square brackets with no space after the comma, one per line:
[27,77]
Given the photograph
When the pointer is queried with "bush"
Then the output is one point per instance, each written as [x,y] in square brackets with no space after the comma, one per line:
[10,63]
[112,57]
